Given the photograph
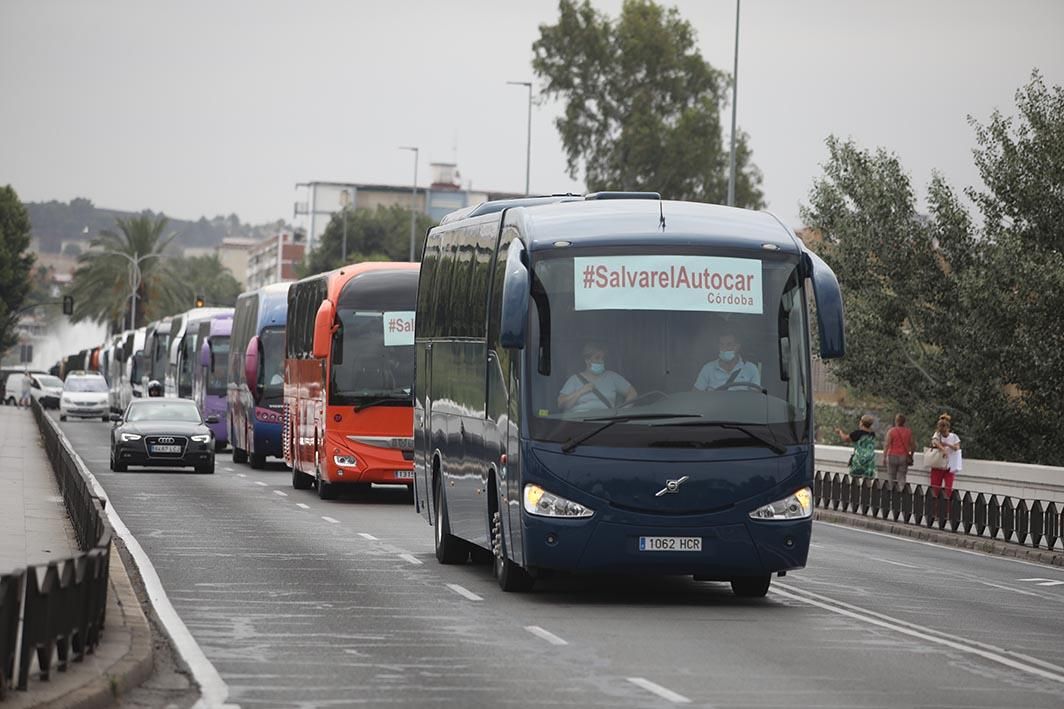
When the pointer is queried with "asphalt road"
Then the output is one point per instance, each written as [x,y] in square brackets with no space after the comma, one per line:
[302,602]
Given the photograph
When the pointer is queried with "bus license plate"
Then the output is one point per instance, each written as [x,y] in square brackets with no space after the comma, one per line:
[166,449]
[670,544]
[404,474]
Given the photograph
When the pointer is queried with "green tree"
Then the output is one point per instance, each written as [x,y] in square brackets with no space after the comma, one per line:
[101,284]
[642,107]
[381,234]
[16,261]
[193,276]
[945,315]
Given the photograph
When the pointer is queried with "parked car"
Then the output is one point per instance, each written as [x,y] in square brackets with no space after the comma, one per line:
[48,390]
[85,395]
[162,432]
[13,385]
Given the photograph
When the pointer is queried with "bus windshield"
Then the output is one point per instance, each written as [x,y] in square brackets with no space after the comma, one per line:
[372,358]
[670,349]
[161,357]
[271,376]
[217,376]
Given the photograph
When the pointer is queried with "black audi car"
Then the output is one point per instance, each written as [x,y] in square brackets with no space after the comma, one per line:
[162,433]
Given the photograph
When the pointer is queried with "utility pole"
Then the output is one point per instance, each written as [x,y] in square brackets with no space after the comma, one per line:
[413,200]
[734,105]
[528,138]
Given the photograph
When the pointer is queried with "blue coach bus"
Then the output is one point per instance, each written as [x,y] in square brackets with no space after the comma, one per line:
[619,384]
[255,387]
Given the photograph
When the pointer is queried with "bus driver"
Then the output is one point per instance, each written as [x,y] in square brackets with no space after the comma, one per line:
[729,368]
[596,387]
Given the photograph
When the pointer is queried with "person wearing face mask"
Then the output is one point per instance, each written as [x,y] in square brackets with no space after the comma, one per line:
[595,388]
[728,369]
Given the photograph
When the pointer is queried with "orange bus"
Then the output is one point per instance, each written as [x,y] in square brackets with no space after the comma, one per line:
[349,377]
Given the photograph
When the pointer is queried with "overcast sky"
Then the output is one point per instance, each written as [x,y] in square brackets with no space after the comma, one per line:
[205,107]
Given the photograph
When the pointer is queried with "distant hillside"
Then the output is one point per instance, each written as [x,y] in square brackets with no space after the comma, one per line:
[57,222]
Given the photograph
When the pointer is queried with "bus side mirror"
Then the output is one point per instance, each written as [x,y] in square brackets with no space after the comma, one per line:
[205,355]
[251,367]
[323,323]
[515,291]
[831,320]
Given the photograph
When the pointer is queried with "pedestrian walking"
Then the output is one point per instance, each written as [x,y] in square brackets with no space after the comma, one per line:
[898,451]
[27,387]
[944,459]
[863,460]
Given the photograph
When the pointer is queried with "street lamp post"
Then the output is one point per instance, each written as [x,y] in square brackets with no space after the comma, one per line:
[345,200]
[734,105]
[413,199]
[134,280]
[528,135]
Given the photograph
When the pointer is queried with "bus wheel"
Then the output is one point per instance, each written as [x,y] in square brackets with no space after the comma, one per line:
[511,577]
[751,586]
[239,455]
[258,460]
[449,549]
[326,491]
[301,481]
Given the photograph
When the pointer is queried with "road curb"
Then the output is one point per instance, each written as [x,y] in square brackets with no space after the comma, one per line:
[942,536]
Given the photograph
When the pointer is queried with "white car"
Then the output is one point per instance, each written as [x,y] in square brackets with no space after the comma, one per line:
[47,389]
[85,395]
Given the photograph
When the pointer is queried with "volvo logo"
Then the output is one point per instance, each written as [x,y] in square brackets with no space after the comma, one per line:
[671,487]
[170,439]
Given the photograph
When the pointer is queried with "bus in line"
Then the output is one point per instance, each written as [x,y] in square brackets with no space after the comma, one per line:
[184,349]
[209,375]
[349,377]
[254,387]
[156,352]
[619,384]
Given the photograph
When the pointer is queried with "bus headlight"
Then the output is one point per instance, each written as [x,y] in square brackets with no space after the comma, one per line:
[796,506]
[546,504]
[345,461]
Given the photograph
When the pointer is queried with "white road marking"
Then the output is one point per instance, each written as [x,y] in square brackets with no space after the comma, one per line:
[1009,588]
[945,547]
[330,520]
[241,475]
[300,504]
[663,692]
[546,635]
[465,592]
[410,558]
[1044,582]
[231,470]
[896,563]
[259,482]
[368,536]
[1008,658]
[281,493]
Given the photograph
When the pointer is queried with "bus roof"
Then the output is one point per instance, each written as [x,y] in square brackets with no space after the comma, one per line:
[338,278]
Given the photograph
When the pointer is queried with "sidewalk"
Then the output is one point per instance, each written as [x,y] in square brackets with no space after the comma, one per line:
[35,529]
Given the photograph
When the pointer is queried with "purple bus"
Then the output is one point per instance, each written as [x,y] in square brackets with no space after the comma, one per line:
[209,377]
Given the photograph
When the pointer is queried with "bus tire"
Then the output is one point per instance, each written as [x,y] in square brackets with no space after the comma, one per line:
[239,455]
[510,576]
[326,490]
[301,481]
[751,586]
[257,460]
[449,549]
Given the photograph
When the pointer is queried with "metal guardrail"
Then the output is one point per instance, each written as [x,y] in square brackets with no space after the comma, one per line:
[1033,523]
[57,610]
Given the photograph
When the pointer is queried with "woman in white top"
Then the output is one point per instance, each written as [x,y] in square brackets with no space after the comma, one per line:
[949,444]
[595,388]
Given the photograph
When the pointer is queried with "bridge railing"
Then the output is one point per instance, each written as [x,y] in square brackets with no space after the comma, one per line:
[62,604]
[1028,522]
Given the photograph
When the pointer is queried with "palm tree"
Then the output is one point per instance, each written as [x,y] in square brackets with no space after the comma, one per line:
[102,282]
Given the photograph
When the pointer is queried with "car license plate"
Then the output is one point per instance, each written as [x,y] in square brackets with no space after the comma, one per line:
[670,544]
[404,474]
[166,449]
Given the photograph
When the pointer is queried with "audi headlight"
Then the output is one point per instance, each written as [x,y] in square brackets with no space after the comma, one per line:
[546,504]
[796,506]
[127,437]
[202,437]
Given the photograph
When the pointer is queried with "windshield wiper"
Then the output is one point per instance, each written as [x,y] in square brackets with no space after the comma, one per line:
[765,441]
[367,402]
[572,443]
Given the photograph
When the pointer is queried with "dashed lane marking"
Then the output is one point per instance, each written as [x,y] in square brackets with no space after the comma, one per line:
[301,505]
[241,475]
[464,592]
[259,482]
[663,692]
[282,493]
[410,558]
[368,536]
[895,563]
[1009,588]
[1044,582]
[330,520]
[545,635]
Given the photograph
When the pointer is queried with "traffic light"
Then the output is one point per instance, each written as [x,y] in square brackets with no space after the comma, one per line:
[200,301]
[68,305]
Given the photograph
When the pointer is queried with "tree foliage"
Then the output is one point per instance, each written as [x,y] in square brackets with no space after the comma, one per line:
[196,276]
[642,107]
[16,261]
[946,312]
[381,234]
